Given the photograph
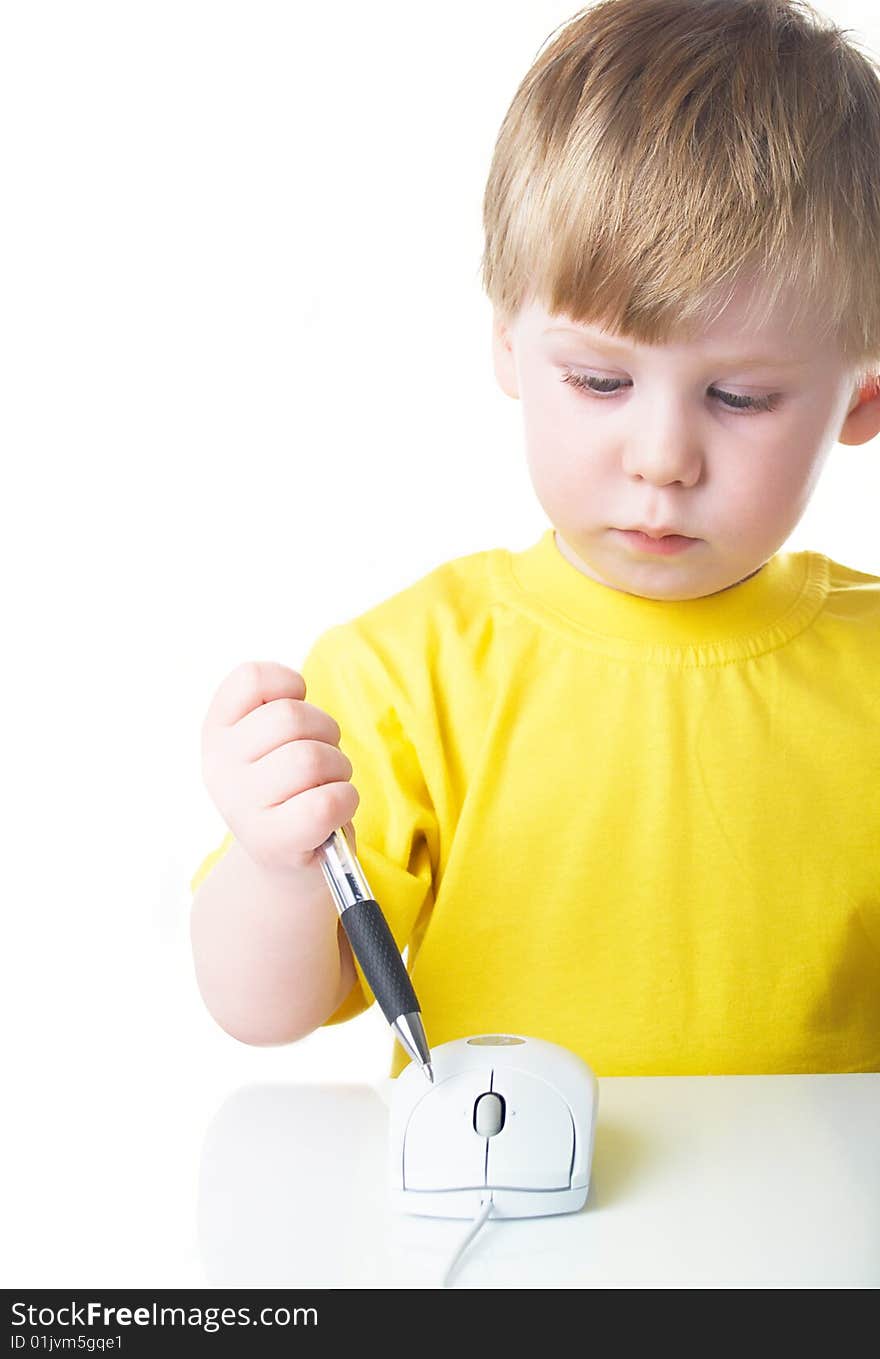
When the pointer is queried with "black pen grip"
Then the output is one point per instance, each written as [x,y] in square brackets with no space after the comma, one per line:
[373,945]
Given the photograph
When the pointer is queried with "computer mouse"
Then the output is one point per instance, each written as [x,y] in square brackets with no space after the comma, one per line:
[506,1113]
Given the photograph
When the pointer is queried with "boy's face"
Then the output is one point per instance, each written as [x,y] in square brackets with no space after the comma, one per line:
[661,445]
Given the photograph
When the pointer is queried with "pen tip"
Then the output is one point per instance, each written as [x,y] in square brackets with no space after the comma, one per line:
[428,1072]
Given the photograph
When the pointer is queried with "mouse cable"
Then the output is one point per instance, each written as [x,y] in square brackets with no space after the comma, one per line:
[475,1226]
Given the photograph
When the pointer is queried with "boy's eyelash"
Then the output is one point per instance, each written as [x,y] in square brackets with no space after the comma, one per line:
[729,399]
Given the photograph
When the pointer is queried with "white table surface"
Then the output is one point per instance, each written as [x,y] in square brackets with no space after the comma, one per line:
[697,1182]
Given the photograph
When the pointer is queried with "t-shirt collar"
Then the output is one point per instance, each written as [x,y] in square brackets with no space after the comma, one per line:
[784,594]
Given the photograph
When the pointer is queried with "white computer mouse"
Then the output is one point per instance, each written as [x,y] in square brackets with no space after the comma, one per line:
[506,1113]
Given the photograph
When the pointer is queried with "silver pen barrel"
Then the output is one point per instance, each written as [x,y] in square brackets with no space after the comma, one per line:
[344,875]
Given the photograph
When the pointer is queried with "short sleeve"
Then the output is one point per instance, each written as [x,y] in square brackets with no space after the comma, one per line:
[209,861]
[394,822]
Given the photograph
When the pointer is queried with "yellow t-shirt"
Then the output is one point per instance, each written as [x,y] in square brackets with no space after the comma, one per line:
[647,830]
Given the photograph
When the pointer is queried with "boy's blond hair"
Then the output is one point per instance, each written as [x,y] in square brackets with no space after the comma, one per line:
[657,151]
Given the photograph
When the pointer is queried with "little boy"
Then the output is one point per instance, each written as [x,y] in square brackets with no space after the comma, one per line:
[620,790]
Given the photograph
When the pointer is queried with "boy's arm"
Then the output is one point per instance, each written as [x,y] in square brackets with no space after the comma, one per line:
[271,957]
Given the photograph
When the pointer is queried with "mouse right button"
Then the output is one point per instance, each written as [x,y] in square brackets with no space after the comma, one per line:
[441,1148]
[535,1148]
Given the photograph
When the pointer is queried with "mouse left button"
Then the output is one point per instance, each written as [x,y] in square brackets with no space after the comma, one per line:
[536,1148]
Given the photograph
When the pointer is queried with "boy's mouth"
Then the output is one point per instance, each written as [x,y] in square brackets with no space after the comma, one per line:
[664,545]
[655,533]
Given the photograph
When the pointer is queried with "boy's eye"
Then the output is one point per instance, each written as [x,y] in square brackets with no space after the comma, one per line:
[609,386]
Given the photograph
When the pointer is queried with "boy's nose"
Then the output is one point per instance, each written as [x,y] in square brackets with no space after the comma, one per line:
[662,463]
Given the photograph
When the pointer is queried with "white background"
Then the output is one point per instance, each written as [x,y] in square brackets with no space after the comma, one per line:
[247,393]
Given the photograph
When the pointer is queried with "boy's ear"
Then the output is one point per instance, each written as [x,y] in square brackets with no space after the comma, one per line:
[502,357]
[863,419]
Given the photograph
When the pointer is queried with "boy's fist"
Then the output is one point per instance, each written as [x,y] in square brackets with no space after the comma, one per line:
[272,765]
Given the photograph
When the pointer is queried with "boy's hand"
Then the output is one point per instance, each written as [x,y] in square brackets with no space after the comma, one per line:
[272,765]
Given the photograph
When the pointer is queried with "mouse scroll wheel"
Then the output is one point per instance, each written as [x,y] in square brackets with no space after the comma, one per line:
[489,1114]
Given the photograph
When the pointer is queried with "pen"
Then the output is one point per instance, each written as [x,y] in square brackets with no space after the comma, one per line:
[373,944]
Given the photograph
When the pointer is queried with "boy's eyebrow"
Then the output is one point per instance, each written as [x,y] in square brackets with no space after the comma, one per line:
[734,362]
